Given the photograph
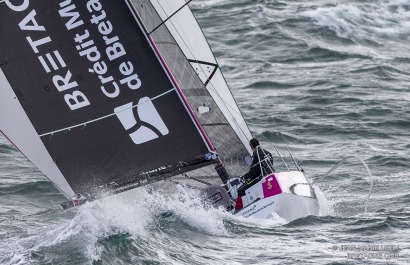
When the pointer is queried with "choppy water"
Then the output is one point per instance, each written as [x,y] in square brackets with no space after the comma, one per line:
[332,76]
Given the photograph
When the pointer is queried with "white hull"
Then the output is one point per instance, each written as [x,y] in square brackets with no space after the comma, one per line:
[286,194]
[288,206]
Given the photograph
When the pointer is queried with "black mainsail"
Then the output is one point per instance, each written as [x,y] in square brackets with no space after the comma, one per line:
[100,97]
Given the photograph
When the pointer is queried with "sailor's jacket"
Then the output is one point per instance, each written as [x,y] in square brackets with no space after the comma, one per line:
[266,164]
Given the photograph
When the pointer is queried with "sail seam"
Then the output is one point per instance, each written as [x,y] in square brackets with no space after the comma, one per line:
[106,116]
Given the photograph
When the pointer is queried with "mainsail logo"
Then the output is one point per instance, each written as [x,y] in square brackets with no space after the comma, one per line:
[146,125]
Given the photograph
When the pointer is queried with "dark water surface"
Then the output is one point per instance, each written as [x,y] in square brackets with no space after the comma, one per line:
[333,77]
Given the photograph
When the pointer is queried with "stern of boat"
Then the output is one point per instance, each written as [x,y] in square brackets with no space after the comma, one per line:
[288,194]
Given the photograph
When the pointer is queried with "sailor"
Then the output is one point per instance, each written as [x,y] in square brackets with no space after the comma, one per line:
[261,159]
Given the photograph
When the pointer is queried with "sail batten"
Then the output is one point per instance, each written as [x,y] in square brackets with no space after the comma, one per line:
[106,116]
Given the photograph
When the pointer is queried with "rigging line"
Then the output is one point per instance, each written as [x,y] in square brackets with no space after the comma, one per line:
[259,161]
[286,142]
[341,162]
[169,17]
[291,155]
[277,151]
[107,116]
[268,161]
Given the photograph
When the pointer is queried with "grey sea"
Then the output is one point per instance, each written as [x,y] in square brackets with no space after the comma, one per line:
[333,78]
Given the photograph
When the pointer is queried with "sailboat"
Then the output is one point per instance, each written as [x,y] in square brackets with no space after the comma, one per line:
[107,96]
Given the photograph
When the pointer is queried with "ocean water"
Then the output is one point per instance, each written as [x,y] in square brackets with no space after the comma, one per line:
[332,77]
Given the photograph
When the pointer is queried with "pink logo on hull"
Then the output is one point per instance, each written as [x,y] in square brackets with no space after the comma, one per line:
[271,186]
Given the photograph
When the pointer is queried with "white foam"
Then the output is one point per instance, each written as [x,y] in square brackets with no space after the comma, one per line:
[132,212]
[189,208]
[135,212]
[364,20]
[274,221]
[212,214]
[17,259]
[326,205]
[93,221]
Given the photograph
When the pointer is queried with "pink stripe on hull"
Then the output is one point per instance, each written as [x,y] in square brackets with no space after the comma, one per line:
[182,95]
[271,186]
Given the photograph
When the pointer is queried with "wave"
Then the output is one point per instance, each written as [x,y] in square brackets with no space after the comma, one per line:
[142,224]
[14,187]
[6,148]
[364,20]
[272,85]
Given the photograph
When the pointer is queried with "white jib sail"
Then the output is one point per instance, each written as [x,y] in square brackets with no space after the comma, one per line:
[188,34]
[16,126]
